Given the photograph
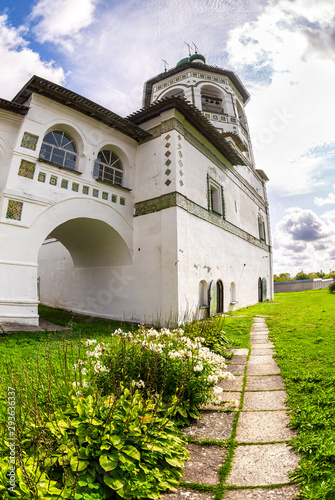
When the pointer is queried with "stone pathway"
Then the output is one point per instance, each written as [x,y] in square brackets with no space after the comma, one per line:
[262,459]
[44,326]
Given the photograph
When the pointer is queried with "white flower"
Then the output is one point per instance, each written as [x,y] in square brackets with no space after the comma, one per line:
[78,393]
[198,367]
[217,390]
[140,384]
[85,384]
[90,342]
[84,371]
[75,384]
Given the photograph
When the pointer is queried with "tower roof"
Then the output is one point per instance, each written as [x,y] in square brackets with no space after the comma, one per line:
[188,62]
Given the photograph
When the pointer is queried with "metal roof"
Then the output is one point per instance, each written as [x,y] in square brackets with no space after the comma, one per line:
[195,118]
[79,103]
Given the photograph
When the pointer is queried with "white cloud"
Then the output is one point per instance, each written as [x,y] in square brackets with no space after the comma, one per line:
[20,62]
[60,21]
[303,240]
[296,75]
[320,202]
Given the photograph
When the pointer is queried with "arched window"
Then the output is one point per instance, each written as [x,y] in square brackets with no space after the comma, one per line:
[59,148]
[241,115]
[175,92]
[233,293]
[219,296]
[203,294]
[108,167]
[211,100]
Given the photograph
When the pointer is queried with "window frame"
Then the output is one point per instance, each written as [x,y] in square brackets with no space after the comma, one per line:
[217,205]
[49,156]
[97,175]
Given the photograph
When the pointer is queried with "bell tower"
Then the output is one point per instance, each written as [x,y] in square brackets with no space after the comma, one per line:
[218,93]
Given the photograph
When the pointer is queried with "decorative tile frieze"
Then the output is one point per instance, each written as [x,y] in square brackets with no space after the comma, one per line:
[168,182]
[167,145]
[178,200]
[27,169]
[29,141]
[14,210]
[104,195]
[114,198]
[181,183]
[167,137]
[41,177]
[86,189]
[64,184]
[122,201]
[168,162]
[167,171]
[95,193]
[168,153]
[180,163]
[180,154]
[53,180]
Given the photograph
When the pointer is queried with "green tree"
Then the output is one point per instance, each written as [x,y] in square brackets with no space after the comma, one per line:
[302,276]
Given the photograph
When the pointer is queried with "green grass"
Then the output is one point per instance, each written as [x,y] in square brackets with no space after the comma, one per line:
[302,326]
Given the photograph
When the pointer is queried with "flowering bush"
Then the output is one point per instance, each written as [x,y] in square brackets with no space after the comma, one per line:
[158,362]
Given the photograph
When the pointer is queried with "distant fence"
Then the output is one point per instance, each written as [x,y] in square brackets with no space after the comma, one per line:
[301,285]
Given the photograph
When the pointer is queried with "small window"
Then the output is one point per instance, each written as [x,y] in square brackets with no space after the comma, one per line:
[59,148]
[261,229]
[233,293]
[215,201]
[203,294]
[108,167]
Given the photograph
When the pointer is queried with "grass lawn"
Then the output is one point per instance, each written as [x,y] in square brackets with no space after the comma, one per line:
[302,326]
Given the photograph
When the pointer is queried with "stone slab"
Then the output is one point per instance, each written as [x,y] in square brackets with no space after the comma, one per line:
[258,351]
[186,494]
[259,319]
[204,464]
[260,360]
[264,369]
[263,426]
[241,352]
[51,327]
[259,340]
[238,360]
[232,385]
[259,328]
[236,369]
[231,399]
[267,345]
[265,383]
[262,464]
[212,425]
[289,492]
[264,400]
[259,336]
[14,328]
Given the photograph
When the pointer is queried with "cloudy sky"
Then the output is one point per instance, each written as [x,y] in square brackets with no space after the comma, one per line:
[283,50]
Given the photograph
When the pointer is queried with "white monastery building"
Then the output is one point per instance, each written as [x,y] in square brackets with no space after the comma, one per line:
[157,217]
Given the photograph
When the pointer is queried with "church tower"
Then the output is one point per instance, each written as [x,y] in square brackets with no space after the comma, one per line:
[217,93]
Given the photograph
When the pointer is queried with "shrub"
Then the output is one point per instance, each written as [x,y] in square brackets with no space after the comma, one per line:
[332,287]
[123,447]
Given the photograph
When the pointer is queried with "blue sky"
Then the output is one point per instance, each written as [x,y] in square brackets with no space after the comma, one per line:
[283,50]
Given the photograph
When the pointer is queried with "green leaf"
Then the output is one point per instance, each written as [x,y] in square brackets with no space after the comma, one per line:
[116,441]
[174,462]
[96,421]
[78,465]
[131,451]
[112,482]
[109,462]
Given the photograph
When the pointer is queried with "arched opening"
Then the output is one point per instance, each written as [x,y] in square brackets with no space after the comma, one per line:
[264,290]
[212,99]
[77,264]
[108,167]
[59,148]
[241,116]
[233,293]
[175,92]
[219,296]
[203,294]
[260,290]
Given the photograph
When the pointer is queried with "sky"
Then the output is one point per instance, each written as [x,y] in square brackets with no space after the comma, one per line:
[283,51]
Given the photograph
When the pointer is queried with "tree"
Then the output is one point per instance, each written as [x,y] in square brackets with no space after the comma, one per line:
[302,276]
